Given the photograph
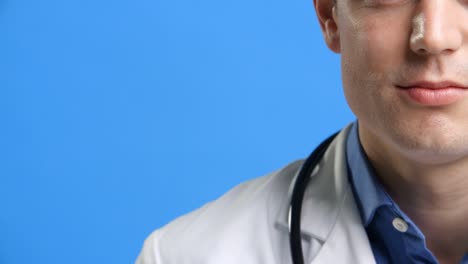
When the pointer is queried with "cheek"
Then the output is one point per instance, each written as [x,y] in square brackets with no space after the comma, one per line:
[373,58]
[375,48]
[368,75]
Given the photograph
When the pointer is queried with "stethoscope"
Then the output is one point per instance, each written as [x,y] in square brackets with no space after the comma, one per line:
[299,186]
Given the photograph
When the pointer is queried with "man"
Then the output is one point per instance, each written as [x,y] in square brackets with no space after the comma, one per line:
[391,188]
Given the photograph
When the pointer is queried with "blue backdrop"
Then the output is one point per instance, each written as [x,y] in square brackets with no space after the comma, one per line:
[120,115]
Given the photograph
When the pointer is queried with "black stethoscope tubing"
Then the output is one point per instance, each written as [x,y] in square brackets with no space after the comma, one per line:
[300,185]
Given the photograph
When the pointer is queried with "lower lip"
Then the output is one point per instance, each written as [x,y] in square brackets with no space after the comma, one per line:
[435,97]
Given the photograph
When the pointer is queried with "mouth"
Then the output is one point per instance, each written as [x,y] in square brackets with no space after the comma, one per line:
[434,93]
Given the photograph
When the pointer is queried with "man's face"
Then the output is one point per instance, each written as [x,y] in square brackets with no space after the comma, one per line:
[402,64]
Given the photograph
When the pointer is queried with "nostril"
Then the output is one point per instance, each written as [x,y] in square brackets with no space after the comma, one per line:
[422,51]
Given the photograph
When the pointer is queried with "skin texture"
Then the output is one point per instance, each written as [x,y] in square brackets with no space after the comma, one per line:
[420,152]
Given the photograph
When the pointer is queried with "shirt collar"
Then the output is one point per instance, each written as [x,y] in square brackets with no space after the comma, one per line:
[369,193]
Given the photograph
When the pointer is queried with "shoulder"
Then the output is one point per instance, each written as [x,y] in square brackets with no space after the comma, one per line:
[228,226]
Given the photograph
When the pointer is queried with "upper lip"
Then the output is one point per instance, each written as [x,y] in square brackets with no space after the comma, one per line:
[433,85]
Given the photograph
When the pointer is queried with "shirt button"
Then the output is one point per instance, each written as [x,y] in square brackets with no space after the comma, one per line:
[400,224]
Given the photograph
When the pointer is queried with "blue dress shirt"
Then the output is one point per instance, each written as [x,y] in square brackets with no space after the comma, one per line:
[394,238]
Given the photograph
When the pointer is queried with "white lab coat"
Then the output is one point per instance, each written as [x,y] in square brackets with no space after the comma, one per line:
[248,225]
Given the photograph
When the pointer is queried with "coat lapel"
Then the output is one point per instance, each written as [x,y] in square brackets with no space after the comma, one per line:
[330,215]
[347,242]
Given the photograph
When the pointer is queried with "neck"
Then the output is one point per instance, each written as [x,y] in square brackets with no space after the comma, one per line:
[434,195]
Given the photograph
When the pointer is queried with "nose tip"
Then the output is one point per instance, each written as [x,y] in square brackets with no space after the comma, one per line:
[435,43]
[434,32]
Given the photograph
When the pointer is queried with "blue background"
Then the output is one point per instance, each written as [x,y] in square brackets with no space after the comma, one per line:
[118,116]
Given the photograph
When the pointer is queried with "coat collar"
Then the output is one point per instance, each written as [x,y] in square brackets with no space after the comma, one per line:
[329,213]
